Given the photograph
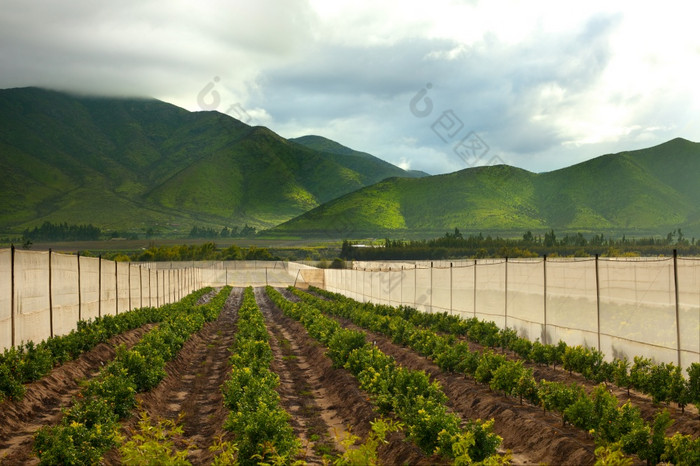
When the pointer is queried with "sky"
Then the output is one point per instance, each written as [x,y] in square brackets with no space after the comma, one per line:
[436,86]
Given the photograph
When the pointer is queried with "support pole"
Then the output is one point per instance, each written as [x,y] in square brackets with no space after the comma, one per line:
[116,288]
[12,293]
[475,287]
[597,298]
[80,310]
[678,323]
[99,286]
[505,315]
[50,297]
[544,301]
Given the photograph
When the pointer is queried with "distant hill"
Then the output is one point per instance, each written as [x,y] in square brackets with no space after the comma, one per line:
[649,191]
[361,161]
[131,164]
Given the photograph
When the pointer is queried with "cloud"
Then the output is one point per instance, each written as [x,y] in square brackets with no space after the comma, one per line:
[544,84]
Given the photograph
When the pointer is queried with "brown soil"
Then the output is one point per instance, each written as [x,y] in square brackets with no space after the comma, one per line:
[334,392]
[44,398]
[192,388]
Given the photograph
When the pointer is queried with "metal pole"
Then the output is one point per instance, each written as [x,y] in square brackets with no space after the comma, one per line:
[50,297]
[80,311]
[157,290]
[116,287]
[544,293]
[128,281]
[451,288]
[597,297]
[678,323]
[505,320]
[99,286]
[12,292]
[140,286]
[431,287]
[474,288]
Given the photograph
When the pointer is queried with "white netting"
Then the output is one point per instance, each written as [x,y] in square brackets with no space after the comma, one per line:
[526,297]
[491,291]
[637,309]
[463,290]
[32,316]
[422,291]
[89,287]
[123,286]
[5,299]
[108,290]
[572,310]
[442,289]
[64,293]
[134,287]
[689,310]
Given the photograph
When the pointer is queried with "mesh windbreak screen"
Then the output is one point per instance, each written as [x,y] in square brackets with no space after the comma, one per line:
[637,308]
[442,289]
[5,299]
[64,293]
[463,290]
[89,287]
[135,287]
[491,291]
[423,292]
[526,297]
[123,286]
[572,310]
[689,310]
[32,316]
[108,288]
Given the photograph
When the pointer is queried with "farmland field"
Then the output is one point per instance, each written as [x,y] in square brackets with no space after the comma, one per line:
[285,375]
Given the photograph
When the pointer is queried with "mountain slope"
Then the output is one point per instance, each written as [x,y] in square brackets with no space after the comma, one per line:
[652,190]
[139,163]
[361,162]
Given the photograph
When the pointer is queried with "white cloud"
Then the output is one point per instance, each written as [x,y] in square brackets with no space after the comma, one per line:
[545,83]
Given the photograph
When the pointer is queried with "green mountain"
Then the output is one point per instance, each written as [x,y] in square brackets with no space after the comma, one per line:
[649,191]
[132,164]
[361,161]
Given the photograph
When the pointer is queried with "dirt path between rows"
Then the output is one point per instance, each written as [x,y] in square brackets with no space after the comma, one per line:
[335,392]
[193,387]
[44,398]
[316,426]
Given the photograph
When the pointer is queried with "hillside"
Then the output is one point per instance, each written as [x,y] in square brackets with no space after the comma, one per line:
[133,164]
[649,191]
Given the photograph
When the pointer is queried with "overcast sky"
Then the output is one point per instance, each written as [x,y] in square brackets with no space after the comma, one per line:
[436,86]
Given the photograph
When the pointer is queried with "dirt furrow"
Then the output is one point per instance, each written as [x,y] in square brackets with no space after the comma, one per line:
[300,393]
[336,392]
[192,387]
[44,398]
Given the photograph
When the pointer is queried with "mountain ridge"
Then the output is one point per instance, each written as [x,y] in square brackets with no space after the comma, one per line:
[136,163]
[649,190]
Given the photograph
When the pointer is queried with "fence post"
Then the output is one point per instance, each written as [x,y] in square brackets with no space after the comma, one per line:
[99,286]
[157,290]
[415,283]
[451,288]
[50,297]
[128,282]
[140,285]
[431,287]
[544,293]
[80,310]
[678,324]
[475,287]
[505,315]
[116,288]
[597,298]
[12,292]
[266,276]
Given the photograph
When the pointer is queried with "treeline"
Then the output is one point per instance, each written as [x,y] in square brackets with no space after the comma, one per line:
[62,232]
[225,232]
[203,252]
[456,245]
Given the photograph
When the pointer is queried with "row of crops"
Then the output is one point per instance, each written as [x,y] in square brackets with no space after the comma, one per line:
[259,429]
[617,428]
